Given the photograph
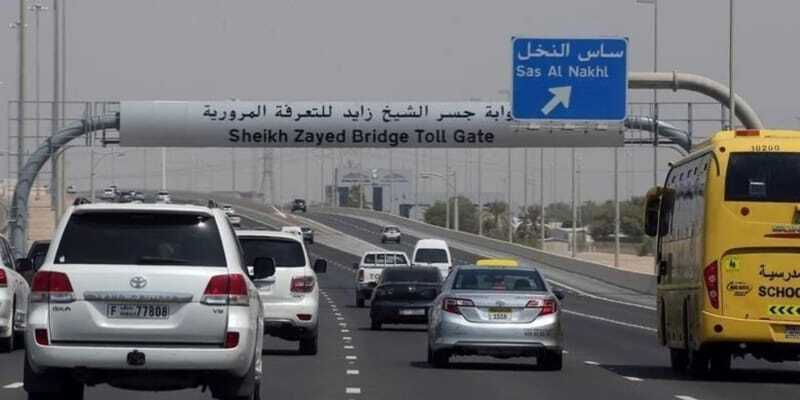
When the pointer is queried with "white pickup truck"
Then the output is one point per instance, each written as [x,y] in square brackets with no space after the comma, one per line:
[370,268]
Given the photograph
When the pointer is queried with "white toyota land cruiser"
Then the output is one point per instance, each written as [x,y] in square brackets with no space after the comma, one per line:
[144,297]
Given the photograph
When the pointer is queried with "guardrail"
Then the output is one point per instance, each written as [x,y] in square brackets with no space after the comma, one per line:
[629,280]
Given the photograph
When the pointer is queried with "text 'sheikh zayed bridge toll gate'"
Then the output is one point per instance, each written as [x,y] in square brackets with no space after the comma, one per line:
[344,124]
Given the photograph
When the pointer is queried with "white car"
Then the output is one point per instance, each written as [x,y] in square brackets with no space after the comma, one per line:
[163,197]
[144,297]
[14,291]
[294,230]
[370,269]
[228,209]
[109,194]
[291,296]
[391,234]
[433,253]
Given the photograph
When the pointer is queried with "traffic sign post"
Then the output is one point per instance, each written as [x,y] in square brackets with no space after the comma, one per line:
[570,79]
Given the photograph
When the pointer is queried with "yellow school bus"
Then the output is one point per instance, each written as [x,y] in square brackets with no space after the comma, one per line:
[727,224]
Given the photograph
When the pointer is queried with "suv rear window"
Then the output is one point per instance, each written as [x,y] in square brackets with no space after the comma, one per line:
[141,238]
[431,256]
[500,280]
[763,177]
[286,253]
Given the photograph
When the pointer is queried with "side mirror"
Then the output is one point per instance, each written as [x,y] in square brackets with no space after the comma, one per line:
[263,267]
[651,209]
[355,265]
[24,265]
[559,294]
[320,266]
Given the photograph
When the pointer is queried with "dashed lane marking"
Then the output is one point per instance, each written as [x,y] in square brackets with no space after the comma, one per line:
[591,363]
[684,397]
[345,330]
[352,372]
[633,378]
[349,347]
[347,338]
[351,357]
[610,321]
[15,385]
[352,390]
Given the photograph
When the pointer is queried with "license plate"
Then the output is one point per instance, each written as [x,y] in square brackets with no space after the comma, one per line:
[792,332]
[137,311]
[414,311]
[375,276]
[500,314]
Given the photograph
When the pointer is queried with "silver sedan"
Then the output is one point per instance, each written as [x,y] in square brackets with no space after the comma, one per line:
[495,311]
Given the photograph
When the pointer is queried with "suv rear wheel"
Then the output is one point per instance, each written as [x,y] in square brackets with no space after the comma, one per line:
[244,388]
[58,385]
[308,346]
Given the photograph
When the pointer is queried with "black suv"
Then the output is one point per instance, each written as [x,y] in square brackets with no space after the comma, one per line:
[299,205]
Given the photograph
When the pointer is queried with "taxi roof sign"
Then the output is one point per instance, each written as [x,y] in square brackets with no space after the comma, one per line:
[498,263]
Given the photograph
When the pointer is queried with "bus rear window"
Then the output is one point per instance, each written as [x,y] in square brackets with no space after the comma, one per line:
[769,177]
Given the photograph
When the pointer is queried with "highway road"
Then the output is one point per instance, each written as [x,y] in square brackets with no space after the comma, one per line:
[611,353]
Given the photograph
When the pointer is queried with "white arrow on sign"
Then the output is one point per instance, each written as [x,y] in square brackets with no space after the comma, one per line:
[560,96]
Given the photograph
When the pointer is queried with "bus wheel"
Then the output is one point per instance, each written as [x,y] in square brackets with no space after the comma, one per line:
[679,359]
[698,363]
[720,363]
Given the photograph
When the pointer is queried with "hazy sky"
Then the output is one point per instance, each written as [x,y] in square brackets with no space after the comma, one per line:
[387,50]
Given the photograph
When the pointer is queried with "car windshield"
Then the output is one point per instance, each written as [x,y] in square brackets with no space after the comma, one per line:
[431,256]
[141,238]
[285,252]
[763,177]
[396,275]
[499,280]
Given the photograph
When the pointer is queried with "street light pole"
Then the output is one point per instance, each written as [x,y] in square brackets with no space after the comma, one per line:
[480,194]
[20,25]
[163,168]
[510,214]
[574,209]
[447,188]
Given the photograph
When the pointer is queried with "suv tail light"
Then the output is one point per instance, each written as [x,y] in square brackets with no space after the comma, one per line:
[231,340]
[3,279]
[41,337]
[361,275]
[711,277]
[302,284]
[546,306]
[226,289]
[453,305]
[51,286]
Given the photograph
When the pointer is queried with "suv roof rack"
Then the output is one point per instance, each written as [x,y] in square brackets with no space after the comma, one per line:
[81,200]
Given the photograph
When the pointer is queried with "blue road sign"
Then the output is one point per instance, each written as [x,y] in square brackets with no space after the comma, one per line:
[570,79]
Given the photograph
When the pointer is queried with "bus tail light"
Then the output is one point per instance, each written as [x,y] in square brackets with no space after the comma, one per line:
[711,276]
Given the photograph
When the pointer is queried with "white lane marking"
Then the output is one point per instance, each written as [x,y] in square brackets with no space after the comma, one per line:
[15,385]
[345,330]
[564,352]
[346,338]
[277,211]
[340,318]
[349,347]
[352,390]
[351,357]
[684,397]
[342,324]
[352,372]
[633,378]
[338,314]
[591,363]
[601,298]
[610,321]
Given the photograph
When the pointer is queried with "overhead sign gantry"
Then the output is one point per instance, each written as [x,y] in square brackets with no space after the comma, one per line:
[570,79]
[342,124]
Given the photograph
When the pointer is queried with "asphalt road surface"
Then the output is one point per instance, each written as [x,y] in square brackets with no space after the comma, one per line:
[611,353]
